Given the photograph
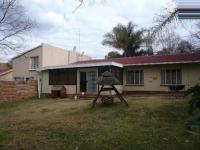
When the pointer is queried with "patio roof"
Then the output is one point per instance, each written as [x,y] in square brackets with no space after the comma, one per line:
[74,65]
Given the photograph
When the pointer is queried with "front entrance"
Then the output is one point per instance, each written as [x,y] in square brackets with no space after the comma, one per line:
[88,81]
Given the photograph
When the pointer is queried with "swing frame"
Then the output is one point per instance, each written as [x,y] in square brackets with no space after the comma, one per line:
[109,89]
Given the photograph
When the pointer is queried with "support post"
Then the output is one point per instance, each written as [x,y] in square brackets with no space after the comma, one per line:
[105,89]
[95,100]
[119,95]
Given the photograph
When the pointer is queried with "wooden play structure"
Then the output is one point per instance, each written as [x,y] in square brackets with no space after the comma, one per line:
[107,79]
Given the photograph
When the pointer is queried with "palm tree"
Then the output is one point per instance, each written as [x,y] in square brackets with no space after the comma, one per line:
[124,38]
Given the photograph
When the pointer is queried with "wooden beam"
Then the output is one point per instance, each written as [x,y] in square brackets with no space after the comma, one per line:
[95,100]
[106,89]
[119,95]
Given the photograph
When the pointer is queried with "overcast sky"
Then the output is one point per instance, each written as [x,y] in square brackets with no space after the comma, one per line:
[59,26]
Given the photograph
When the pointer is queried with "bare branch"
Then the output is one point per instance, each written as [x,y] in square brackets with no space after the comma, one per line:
[13,25]
[81,3]
[163,20]
[6,10]
[14,33]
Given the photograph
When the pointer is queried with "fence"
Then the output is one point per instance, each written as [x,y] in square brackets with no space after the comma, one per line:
[13,91]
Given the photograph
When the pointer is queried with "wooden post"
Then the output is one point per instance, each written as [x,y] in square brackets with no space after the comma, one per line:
[95,100]
[119,95]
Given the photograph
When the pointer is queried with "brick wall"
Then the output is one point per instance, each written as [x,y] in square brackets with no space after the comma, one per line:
[12,91]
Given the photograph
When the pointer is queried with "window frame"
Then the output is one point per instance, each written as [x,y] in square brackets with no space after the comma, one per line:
[171,77]
[32,59]
[139,79]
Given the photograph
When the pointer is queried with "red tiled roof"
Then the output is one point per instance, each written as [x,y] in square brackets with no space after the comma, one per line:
[4,67]
[155,59]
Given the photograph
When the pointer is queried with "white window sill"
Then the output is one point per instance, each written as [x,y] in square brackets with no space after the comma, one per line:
[134,85]
[169,84]
[32,69]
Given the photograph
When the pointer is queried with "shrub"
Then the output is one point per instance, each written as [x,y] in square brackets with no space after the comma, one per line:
[193,124]
[195,100]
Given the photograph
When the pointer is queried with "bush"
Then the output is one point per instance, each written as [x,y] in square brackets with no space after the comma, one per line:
[194,124]
[195,100]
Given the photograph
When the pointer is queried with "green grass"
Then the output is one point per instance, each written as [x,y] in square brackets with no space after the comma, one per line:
[148,123]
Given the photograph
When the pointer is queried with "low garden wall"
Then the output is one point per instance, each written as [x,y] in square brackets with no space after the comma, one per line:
[12,90]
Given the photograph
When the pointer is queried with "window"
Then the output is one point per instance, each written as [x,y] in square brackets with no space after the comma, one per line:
[19,78]
[63,77]
[171,76]
[135,77]
[34,62]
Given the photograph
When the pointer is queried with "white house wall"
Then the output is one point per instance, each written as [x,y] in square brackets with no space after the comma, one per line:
[152,77]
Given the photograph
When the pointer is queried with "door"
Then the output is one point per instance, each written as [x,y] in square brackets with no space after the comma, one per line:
[91,81]
[83,81]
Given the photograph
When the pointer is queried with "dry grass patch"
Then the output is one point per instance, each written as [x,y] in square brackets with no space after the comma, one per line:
[148,123]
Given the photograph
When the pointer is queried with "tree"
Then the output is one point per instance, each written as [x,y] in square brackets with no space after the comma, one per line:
[113,54]
[168,42]
[176,46]
[13,24]
[147,52]
[162,20]
[124,38]
[165,51]
[184,46]
[197,34]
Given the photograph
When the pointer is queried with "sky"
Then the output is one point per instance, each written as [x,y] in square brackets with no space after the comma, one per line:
[58,25]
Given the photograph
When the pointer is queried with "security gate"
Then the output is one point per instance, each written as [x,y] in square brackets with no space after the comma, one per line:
[91,81]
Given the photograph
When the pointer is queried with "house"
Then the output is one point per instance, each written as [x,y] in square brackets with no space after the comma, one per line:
[26,64]
[6,73]
[142,74]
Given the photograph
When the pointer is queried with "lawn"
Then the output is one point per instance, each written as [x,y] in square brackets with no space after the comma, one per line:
[148,123]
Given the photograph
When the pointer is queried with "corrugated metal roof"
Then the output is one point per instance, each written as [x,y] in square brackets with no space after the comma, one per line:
[155,59]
